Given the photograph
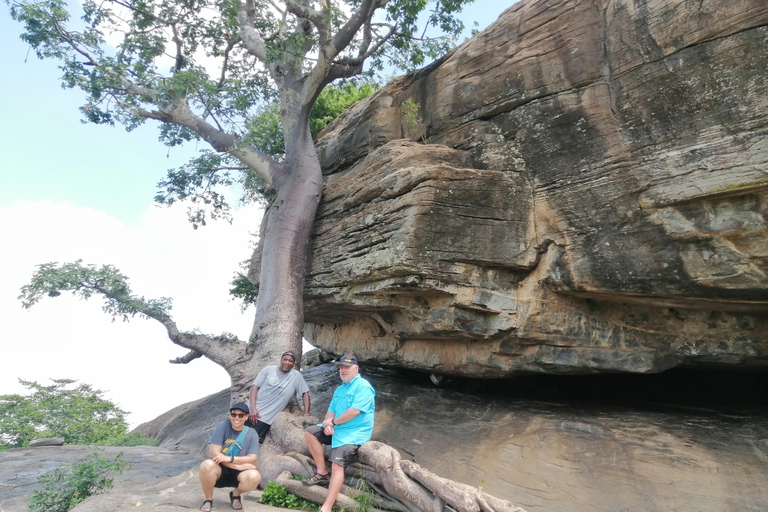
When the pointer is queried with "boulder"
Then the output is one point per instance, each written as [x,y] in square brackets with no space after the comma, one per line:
[47,441]
[593,197]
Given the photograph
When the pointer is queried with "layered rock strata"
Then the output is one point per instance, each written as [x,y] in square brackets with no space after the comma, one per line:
[593,197]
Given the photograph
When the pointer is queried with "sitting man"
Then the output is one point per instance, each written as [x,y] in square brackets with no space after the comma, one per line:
[347,424]
[232,449]
[273,387]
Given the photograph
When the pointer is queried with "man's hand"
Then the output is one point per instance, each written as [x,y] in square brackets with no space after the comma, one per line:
[221,458]
[328,426]
[254,416]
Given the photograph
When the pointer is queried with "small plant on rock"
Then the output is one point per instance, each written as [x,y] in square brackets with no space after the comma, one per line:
[62,490]
[278,496]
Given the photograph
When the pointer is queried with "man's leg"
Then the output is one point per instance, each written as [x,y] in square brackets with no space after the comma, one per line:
[317,452]
[209,474]
[248,480]
[334,487]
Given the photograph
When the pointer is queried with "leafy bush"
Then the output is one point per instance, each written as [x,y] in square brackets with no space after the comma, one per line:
[278,496]
[80,414]
[62,490]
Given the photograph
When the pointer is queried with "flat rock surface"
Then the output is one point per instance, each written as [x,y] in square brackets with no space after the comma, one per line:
[158,478]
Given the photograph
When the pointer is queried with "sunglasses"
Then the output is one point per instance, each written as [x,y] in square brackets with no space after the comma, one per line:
[238,414]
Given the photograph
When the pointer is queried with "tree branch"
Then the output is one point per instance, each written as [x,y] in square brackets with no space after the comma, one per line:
[185,359]
[251,38]
[178,112]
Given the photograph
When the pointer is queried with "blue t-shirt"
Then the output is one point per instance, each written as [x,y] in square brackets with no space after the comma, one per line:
[358,394]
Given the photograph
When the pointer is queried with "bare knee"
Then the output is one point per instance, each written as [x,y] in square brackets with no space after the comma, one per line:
[249,480]
[209,467]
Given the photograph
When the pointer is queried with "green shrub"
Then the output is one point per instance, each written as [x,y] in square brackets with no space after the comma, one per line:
[278,496]
[62,490]
[77,412]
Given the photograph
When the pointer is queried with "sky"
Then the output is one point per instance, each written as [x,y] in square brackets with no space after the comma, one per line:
[72,191]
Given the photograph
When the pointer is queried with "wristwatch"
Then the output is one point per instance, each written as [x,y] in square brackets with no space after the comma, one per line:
[333,421]
[231,459]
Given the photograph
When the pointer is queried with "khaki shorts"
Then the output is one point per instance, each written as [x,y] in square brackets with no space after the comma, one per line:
[343,455]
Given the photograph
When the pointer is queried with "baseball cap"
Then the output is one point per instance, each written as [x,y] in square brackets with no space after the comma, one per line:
[348,360]
[289,353]
[242,406]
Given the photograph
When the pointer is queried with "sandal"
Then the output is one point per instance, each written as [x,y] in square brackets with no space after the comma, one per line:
[316,479]
[233,499]
[207,506]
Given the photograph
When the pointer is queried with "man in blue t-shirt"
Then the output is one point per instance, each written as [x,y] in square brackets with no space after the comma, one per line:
[232,449]
[347,424]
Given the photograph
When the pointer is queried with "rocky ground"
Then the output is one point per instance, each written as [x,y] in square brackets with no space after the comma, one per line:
[158,479]
[686,441]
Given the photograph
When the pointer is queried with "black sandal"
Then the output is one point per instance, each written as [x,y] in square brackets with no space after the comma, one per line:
[233,499]
[206,508]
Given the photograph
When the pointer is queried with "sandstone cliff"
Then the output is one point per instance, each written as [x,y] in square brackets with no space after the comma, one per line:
[593,197]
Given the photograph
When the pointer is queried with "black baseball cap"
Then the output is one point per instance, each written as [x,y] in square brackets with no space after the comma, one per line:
[242,406]
[348,360]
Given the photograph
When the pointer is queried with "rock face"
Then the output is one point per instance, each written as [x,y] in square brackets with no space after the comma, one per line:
[593,198]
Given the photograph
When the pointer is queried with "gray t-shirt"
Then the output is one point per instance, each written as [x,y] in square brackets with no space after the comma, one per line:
[224,435]
[275,389]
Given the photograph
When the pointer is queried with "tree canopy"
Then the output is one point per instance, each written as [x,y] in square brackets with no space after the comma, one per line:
[77,412]
[211,70]
[222,72]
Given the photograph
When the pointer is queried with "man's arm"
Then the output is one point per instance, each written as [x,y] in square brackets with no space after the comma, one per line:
[348,415]
[254,416]
[214,452]
[305,399]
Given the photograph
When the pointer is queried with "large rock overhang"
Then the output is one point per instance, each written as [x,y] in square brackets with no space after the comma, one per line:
[593,197]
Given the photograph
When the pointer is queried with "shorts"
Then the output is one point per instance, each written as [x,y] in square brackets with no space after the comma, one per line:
[228,477]
[343,455]
[260,428]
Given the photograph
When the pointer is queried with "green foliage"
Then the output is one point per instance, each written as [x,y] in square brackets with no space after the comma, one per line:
[412,120]
[364,497]
[78,413]
[243,289]
[62,490]
[83,281]
[278,496]
[190,58]
[336,99]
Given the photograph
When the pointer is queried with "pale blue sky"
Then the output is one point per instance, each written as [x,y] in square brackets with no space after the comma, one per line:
[70,190]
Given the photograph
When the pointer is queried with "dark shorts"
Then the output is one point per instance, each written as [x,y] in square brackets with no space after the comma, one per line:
[343,455]
[260,428]
[228,477]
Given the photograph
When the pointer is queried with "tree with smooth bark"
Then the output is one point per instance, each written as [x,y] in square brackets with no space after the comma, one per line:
[259,49]
[201,68]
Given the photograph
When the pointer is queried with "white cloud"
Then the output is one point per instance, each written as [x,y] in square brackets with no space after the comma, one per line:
[163,256]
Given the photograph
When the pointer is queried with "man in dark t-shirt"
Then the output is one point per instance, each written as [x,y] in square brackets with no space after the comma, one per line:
[232,449]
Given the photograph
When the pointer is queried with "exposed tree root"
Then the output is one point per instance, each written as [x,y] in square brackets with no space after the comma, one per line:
[401,485]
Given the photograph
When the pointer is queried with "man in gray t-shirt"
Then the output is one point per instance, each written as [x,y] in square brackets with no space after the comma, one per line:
[232,451]
[271,391]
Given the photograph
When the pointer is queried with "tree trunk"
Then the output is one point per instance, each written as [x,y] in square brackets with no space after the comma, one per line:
[288,221]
